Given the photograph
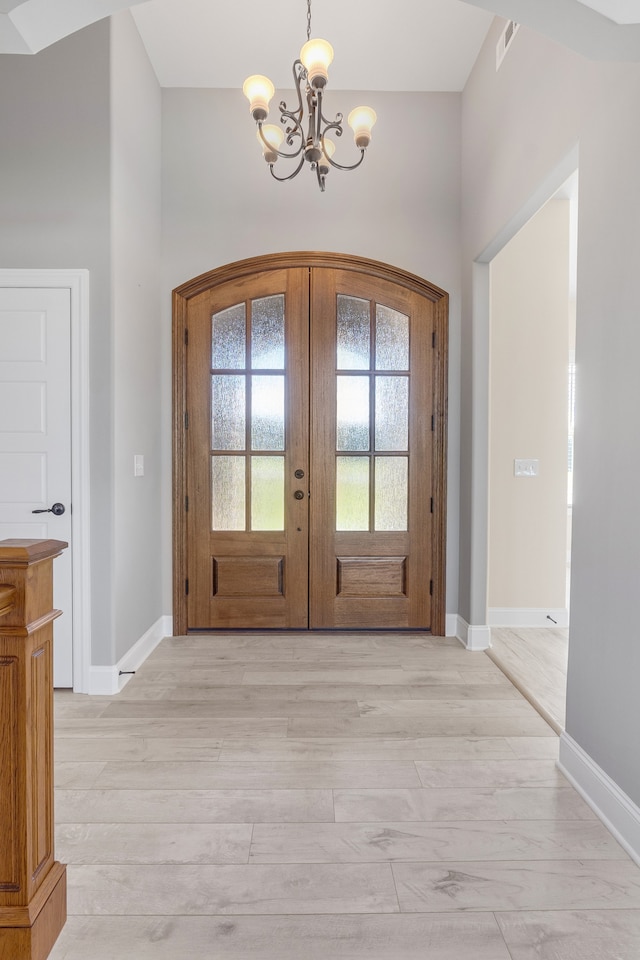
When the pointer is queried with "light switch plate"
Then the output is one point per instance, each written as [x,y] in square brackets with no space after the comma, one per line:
[138,465]
[526,468]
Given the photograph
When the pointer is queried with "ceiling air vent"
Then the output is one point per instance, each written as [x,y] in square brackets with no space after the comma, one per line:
[505,41]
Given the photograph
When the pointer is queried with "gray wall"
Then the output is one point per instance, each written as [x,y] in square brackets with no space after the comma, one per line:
[518,124]
[79,188]
[55,212]
[529,357]
[402,206]
[137,388]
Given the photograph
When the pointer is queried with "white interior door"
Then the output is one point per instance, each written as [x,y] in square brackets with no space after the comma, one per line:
[35,436]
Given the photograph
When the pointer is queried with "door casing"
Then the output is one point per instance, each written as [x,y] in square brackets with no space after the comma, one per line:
[255,265]
[77,282]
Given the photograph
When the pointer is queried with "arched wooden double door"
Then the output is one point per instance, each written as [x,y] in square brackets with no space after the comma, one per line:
[309,447]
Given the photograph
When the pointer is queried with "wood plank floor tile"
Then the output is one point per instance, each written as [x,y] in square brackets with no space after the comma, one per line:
[257,776]
[453,691]
[137,748]
[213,728]
[452,709]
[572,935]
[192,890]
[506,803]
[418,727]
[382,675]
[153,842]
[479,840]
[219,706]
[340,748]
[489,773]
[346,689]
[535,748]
[73,774]
[522,885]
[194,806]
[408,937]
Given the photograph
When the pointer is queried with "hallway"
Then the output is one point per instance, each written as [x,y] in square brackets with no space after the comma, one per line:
[298,796]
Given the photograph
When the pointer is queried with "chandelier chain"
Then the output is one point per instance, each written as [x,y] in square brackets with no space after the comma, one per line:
[308,19]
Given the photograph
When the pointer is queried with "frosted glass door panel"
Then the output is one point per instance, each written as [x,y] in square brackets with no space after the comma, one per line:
[391,493]
[267,413]
[354,334]
[267,333]
[228,493]
[228,338]
[352,493]
[392,339]
[352,413]
[392,413]
[267,493]
[228,417]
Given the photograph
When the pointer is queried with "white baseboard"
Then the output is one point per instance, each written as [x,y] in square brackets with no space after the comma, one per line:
[451,624]
[528,617]
[473,637]
[610,804]
[107,681]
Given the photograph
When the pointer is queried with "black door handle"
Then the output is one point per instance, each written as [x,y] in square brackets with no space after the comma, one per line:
[57,510]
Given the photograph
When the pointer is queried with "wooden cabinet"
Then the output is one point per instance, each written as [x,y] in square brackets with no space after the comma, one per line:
[32,882]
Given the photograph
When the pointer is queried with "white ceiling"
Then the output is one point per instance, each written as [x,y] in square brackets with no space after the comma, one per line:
[620,11]
[425,45]
[379,44]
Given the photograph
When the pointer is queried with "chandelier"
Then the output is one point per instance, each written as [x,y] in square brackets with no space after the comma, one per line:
[314,146]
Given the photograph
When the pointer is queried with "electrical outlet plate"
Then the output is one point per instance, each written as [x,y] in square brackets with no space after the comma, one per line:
[526,468]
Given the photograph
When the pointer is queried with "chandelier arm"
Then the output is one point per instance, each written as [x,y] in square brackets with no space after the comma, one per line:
[333,124]
[272,149]
[318,135]
[291,175]
[295,116]
[353,166]
[298,77]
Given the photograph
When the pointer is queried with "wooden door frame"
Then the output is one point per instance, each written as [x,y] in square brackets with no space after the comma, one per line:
[279,261]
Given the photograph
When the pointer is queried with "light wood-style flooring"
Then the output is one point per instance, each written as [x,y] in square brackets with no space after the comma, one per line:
[536,661]
[305,796]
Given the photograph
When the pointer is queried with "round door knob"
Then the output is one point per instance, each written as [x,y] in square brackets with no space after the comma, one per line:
[299,495]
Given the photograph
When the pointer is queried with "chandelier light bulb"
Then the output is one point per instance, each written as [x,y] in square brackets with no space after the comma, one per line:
[258,90]
[316,55]
[361,120]
[274,136]
[328,148]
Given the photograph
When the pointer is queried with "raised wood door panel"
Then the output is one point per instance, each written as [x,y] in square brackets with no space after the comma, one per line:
[371,436]
[247,564]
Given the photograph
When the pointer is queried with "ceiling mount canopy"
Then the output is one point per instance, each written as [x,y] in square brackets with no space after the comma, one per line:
[310,75]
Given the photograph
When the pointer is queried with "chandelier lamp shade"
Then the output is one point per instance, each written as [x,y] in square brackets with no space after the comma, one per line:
[301,137]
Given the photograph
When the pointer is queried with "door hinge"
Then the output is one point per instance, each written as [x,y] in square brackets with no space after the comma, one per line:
[186,588]
[433,339]
[186,337]
[431,505]
[186,420]
[186,505]
[433,422]
[430,588]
